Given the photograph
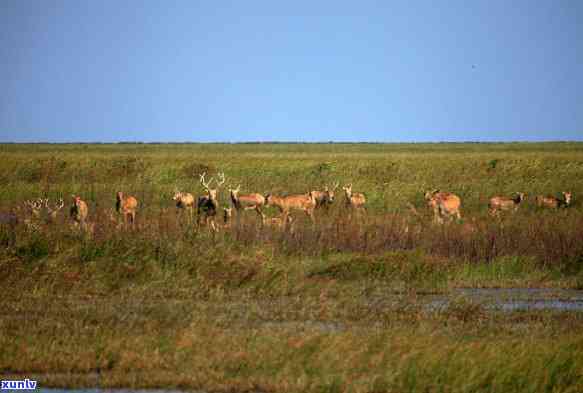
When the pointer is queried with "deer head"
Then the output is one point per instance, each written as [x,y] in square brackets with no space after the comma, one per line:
[330,192]
[212,192]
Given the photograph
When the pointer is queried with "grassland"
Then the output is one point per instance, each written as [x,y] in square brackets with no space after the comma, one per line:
[339,306]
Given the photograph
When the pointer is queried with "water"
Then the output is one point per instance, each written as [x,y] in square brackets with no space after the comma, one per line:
[516,299]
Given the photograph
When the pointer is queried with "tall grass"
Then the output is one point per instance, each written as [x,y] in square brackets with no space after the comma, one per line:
[336,306]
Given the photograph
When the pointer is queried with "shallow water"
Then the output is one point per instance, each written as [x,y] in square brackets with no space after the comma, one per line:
[515,299]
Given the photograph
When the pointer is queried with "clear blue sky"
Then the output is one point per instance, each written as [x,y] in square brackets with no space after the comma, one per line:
[390,71]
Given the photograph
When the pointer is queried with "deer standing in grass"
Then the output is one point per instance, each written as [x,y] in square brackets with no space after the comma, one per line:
[227,217]
[553,202]
[184,200]
[126,205]
[32,210]
[208,205]
[79,212]
[354,200]
[247,202]
[281,222]
[303,202]
[501,203]
[325,198]
[444,205]
[53,211]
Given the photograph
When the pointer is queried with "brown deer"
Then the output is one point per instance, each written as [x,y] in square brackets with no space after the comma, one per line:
[33,208]
[501,203]
[553,202]
[126,205]
[444,204]
[79,211]
[304,202]
[227,217]
[354,200]
[280,222]
[53,212]
[184,200]
[247,202]
[325,198]
[209,204]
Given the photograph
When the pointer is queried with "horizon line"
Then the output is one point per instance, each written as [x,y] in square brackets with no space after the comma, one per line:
[285,142]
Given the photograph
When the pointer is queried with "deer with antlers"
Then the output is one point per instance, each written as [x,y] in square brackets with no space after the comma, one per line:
[303,202]
[33,207]
[32,210]
[325,198]
[126,205]
[247,202]
[209,203]
[53,211]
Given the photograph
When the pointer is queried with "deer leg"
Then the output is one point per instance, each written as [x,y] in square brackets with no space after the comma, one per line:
[310,213]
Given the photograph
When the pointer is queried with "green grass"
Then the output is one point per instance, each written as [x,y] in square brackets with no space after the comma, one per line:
[339,306]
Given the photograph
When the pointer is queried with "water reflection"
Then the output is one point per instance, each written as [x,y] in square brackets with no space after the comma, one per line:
[515,299]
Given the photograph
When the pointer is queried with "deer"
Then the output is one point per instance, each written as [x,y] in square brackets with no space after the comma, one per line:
[33,207]
[326,197]
[304,202]
[184,200]
[227,217]
[354,200]
[280,222]
[501,203]
[444,204]
[79,212]
[32,211]
[52,212]
[553,202]
[209,204]
[127,206]
[247,202]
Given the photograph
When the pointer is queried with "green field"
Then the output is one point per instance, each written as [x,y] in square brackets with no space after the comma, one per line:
[342,305]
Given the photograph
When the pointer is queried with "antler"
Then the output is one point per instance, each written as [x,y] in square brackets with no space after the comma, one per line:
[60,204]
[207,184]
[336,185]
[34,205]
[222,179]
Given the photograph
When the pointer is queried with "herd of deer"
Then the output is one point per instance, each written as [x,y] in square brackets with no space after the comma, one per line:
[208,205]
[445,205]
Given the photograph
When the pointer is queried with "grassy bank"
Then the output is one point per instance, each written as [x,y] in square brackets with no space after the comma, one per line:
[342,305]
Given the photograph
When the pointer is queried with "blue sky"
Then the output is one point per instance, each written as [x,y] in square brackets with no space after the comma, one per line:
[388,71]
